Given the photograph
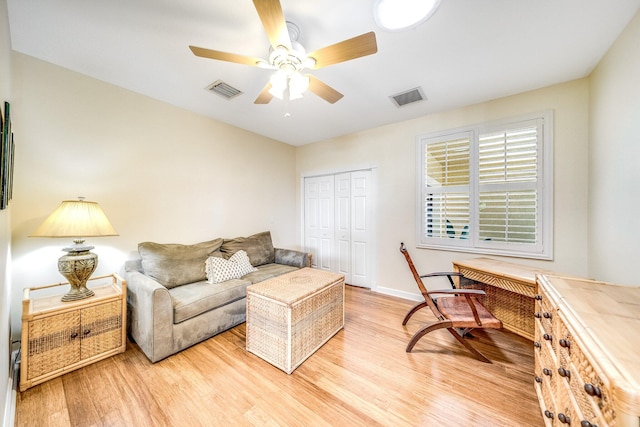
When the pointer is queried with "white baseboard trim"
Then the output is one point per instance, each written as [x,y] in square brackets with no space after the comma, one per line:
[10,400]
[400,294]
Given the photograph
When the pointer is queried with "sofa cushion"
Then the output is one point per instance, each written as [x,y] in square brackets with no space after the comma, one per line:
[196,298]
[173,264]
[220,269]
[258,246]
[268,271]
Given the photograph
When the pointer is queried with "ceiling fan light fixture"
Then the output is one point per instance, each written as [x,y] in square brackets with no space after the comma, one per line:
[396,15]
[278,82]
[288,84]
[298,84]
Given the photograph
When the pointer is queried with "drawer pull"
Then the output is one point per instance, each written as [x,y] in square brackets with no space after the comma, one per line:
[547,372]
[539,380]
[87,332]
[547,337]
[75,335]
[548,414]
[564,419]
[592,390]
[536,344]
[546,315]
[537,315]
[585,423]
[564,373]
[565,343]
[538,297]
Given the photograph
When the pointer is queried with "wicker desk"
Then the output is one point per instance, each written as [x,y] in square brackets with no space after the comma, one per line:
[289,317]
[59,337]
[510,289]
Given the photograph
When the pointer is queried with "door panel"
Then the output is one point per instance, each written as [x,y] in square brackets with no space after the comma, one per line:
[343,224]
[319,220]
[360,228]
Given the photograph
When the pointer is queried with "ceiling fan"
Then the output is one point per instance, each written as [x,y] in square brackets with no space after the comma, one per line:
[289,59]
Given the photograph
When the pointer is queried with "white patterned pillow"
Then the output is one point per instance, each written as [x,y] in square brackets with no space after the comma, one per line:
[220,269]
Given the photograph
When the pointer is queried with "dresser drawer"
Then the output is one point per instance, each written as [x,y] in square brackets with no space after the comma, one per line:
[587,386]
[566,407]
[545,313]
[547,405]
[545,364]
[545,316]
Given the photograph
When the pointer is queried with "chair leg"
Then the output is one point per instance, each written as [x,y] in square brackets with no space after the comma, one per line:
[469,347]
[424,331]
[413,310]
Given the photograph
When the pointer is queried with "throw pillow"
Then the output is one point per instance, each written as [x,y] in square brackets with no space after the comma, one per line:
[258,246]
[220,269]
[174,264]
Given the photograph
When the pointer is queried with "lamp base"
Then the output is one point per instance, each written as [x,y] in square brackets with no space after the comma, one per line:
[77,293]
[77,266]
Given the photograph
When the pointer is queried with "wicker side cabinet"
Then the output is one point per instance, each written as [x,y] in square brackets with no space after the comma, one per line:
[59,337]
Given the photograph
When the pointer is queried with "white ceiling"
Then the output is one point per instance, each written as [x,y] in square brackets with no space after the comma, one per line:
[470,51]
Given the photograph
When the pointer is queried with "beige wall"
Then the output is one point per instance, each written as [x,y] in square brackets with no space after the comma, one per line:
[5,231]
[160,173]
[614,168]
[391,151]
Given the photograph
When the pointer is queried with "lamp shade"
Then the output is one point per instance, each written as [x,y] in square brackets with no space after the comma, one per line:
[76,218]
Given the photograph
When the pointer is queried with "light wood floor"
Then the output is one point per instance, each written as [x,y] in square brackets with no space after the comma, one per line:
[361,377]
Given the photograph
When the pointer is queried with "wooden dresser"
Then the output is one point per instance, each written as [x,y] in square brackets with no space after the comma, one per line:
[587,352]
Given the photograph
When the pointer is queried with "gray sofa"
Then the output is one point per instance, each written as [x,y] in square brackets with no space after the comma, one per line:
[170,303]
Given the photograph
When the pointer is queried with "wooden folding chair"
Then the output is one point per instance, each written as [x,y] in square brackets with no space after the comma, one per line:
[459,309]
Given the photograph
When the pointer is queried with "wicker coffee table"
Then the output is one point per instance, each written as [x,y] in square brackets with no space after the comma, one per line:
[289,317]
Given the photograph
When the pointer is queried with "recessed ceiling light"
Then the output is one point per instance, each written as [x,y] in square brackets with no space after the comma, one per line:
[395,15]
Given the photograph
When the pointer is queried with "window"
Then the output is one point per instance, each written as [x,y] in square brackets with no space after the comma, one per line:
[488,188]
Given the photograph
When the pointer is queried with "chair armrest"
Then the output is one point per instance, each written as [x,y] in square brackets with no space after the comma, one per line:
[293,258]
[443,273]
[448,274]
[150,315]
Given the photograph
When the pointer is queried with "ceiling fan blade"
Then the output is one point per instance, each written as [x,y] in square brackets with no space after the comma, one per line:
[272,17]
[264,96]
[356,47]
[224,56]
[323,90]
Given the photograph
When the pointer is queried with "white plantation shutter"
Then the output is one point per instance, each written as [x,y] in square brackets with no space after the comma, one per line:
[507,178]
[446,187]
[483,188]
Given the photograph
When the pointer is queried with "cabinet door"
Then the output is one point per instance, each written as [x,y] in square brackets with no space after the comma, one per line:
[54,343]
[101,328]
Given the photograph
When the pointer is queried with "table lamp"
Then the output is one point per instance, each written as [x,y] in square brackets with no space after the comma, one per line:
[77,219]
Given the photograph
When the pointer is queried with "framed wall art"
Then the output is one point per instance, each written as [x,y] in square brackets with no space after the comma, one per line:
[6,158]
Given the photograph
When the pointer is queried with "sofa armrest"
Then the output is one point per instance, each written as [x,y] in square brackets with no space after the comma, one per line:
[293,258]
[150,315]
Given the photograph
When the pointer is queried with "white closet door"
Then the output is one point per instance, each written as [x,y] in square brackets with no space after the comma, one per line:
[319,220]
[338,224]
[343,225]
[361,228]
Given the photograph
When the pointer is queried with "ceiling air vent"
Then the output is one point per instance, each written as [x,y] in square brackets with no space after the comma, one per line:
[408,97]
[223,89]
